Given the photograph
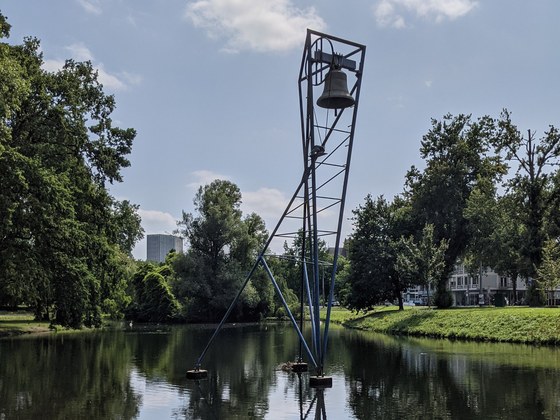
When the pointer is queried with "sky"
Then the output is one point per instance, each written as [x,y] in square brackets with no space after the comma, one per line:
[211,85]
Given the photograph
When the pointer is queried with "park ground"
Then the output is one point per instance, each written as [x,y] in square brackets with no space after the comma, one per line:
[509,324]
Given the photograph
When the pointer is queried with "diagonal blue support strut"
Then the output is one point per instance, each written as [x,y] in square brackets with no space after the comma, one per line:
[294,323]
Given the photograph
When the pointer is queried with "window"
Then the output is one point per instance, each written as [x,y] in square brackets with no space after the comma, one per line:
[459,269]
[475,281]
[460,281]
[504,282]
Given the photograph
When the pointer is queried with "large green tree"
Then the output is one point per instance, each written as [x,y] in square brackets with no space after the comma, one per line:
[458,152]
[373,275]
[533,184]
[60,230]
[223,246]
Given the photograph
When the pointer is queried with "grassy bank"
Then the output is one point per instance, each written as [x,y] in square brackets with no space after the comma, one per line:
[17,323]
[512,324]
[340,315]
[13,323]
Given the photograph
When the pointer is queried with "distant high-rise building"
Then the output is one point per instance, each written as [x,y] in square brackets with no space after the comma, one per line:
[160,245]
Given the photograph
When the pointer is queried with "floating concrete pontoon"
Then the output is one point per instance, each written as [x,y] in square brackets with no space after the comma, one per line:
[320,382]
[197,374]
[299,367]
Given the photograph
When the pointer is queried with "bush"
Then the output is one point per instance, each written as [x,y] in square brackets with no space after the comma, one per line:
[281,313]
[160,304]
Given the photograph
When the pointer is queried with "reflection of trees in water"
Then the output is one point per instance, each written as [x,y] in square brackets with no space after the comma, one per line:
[67,376]
[89,376]
[391,378]
[242,371]
[241,366]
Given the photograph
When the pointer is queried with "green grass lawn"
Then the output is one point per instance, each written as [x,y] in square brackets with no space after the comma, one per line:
[510,324]
[20,322]
[340,315]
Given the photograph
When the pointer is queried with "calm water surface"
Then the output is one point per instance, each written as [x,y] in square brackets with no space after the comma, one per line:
[139,373]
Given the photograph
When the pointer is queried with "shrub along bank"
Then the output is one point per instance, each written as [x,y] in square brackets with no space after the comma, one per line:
[512,324]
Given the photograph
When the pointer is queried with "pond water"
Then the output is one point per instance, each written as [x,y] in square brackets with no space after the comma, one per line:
[139,373]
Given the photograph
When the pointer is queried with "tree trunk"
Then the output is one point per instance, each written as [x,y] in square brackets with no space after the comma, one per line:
[428,292]
[401,306]
[514,286]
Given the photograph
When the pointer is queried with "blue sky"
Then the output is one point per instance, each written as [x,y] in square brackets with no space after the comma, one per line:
[211,85]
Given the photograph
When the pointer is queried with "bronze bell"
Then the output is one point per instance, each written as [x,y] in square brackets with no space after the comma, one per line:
[335,94]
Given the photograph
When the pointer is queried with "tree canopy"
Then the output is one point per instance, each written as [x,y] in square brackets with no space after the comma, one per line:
[458,153]
[373,274]
[61,232]
[223,245]
[487,195]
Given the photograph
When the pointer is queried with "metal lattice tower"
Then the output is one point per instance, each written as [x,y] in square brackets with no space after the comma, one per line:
[315,212]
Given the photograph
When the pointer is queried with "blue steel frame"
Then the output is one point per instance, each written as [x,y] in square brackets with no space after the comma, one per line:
[322,187]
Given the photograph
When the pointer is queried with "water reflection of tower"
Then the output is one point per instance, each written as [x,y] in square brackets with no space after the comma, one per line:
[317,402]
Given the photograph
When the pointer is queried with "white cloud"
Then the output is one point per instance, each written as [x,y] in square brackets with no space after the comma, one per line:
[204,177]
[272,25]
[91,6]
[132,79]
[269,203]
[392,12]
[155,221]
[80,52]
[53,65]
[108,80]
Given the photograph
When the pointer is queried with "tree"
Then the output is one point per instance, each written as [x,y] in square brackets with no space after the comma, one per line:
[126,229]
[481,213]
[160,304]
[292,264]
[60,230]
[223,246]
[552,216]
[533,184]
[373,276]
[508,239]
[548,273]
[458,153]
[421,262]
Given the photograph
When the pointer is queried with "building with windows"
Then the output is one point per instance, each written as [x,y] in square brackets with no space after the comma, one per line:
[159,246]
[467,289]
[483,288]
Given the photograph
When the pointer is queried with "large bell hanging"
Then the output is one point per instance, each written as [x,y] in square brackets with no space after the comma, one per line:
[335,94]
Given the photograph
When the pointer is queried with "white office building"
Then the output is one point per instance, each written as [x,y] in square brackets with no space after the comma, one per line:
[159,246]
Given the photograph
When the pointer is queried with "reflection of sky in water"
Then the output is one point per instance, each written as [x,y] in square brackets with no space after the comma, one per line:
[161,400]
[284,399]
